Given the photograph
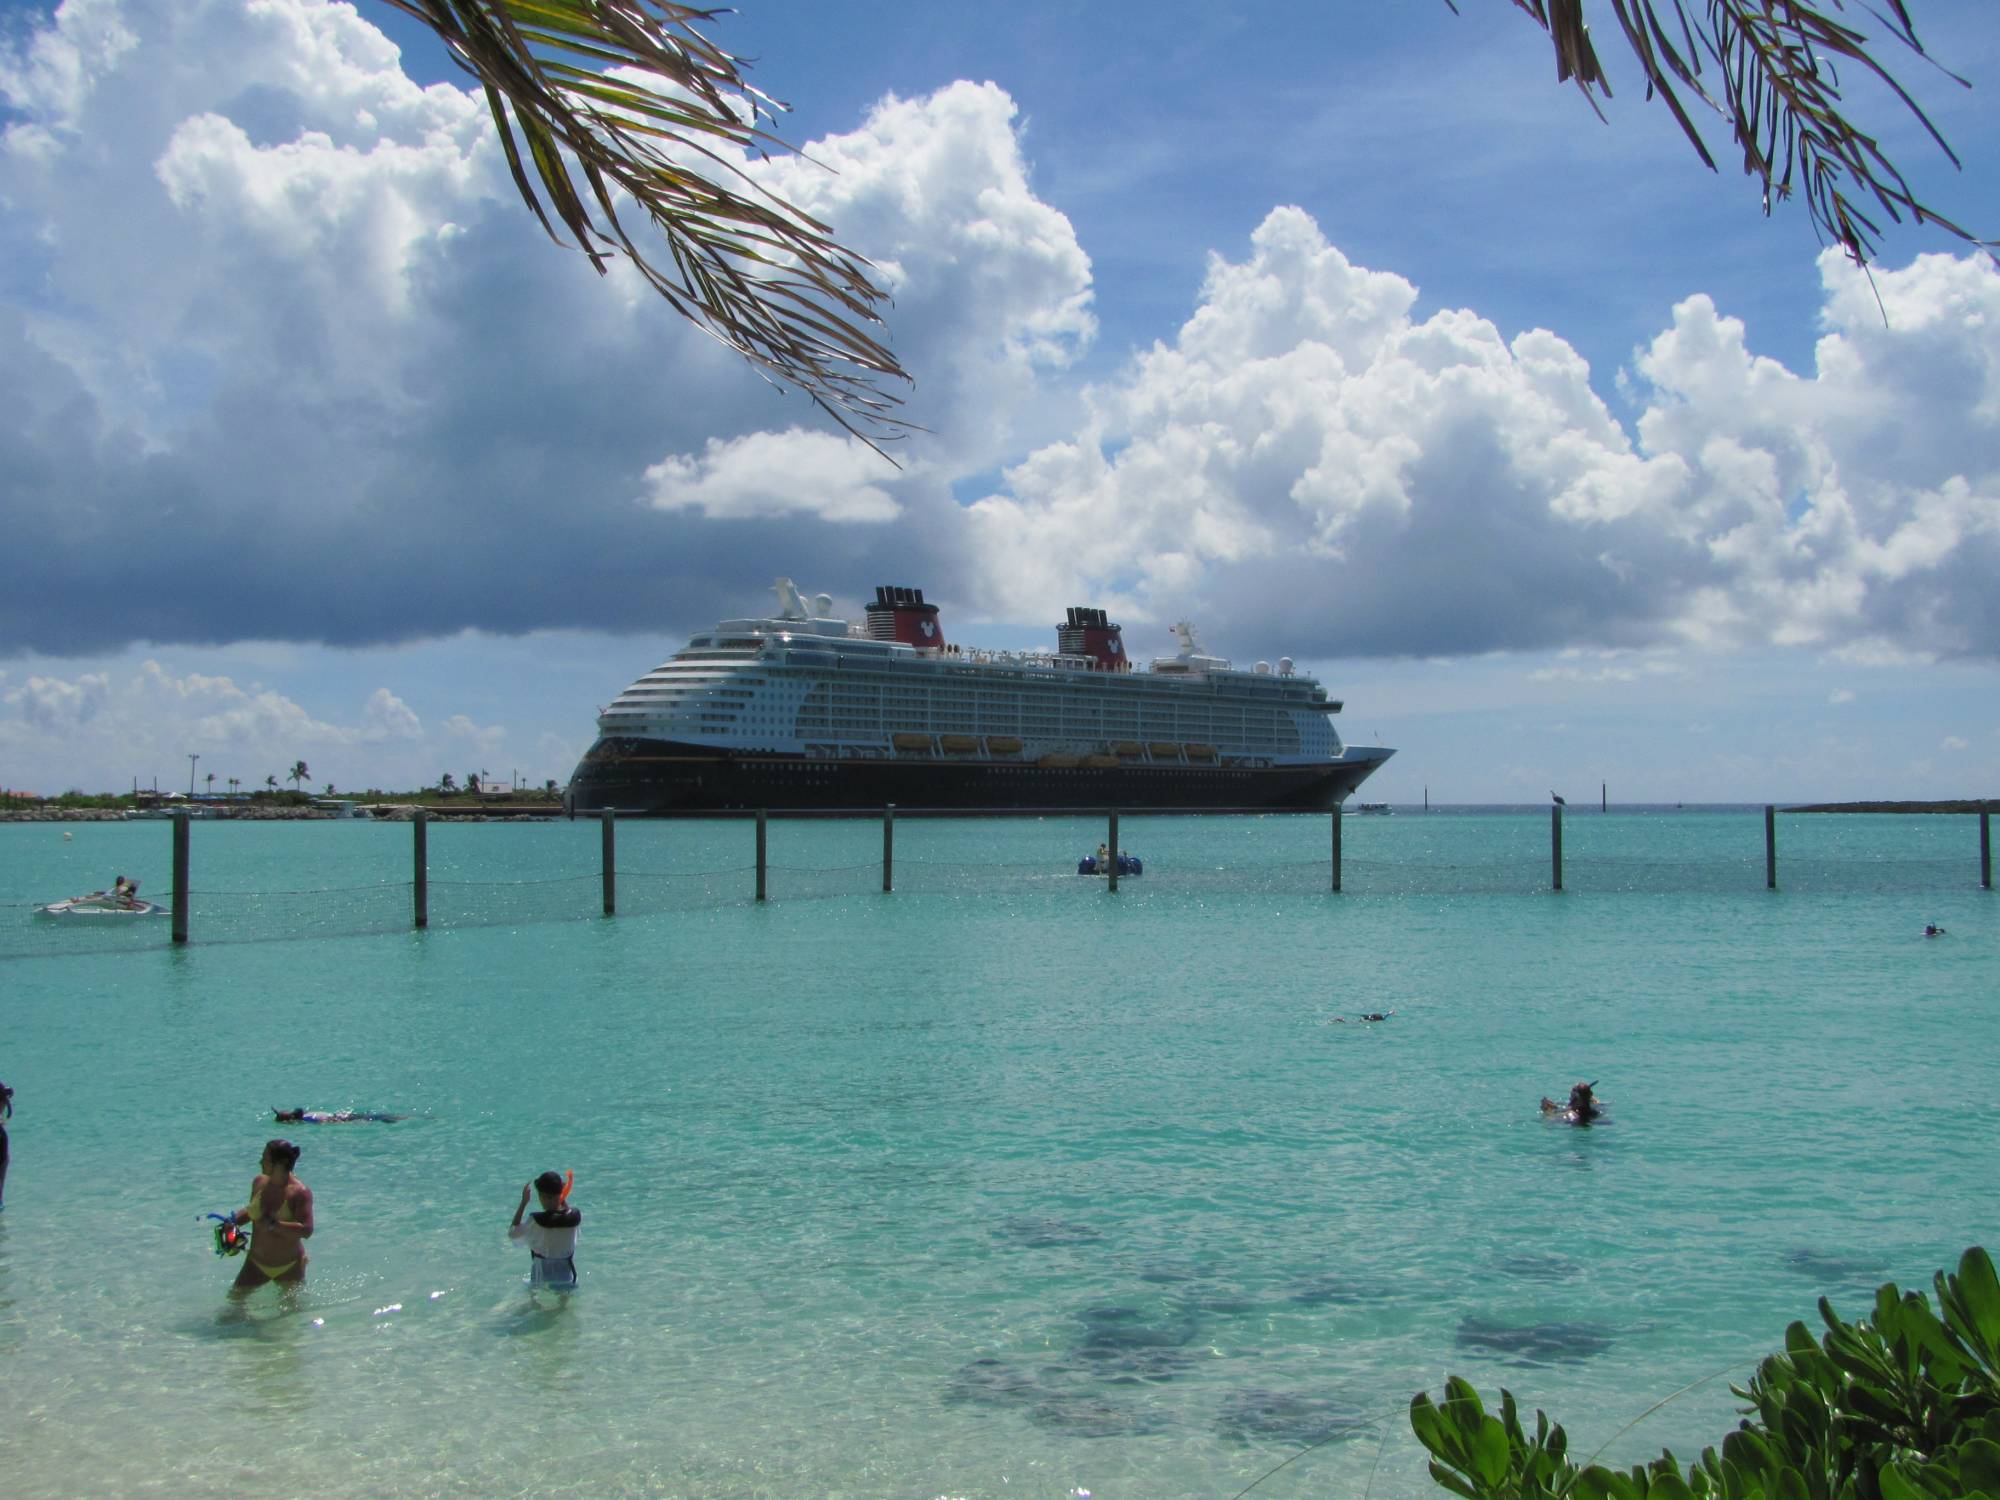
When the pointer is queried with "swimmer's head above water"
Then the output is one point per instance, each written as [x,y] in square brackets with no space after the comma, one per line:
[1582,1107]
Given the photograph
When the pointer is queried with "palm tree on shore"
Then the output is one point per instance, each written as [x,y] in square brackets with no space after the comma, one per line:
[299,772]
[271,782]
[446,784]
[594,99]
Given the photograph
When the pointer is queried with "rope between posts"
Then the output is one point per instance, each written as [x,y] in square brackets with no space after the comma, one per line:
[552,880]
[685,874]
[331,890]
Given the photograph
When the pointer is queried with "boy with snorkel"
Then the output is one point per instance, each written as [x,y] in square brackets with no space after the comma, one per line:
[550,1231]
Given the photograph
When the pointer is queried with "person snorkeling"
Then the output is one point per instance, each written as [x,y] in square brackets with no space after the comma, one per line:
[280,1216]
[1931,929]
[332,1116]
[550,1231]
[6,1113]
[1583,1107]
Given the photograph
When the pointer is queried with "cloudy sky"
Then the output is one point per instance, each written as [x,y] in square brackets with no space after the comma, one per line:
[1342,331]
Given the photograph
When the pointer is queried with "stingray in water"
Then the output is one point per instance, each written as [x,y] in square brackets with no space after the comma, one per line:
[1845,1270]
[1040,1233]
[1120,1348]
[1540,1267]
[1083,1415]
[1061,1404]
[1534,1343]
[1331,1286]
[1281,1416]
[993,1382]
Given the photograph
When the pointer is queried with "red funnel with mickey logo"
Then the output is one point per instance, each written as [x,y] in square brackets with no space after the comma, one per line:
[900,614]
[1090,633]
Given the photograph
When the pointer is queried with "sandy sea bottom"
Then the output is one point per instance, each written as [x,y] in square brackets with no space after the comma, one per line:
[997,1185]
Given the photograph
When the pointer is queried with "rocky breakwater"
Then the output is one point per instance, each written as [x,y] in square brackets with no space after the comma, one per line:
[62,815]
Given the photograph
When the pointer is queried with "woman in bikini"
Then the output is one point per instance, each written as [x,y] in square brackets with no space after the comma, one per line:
[280,1216]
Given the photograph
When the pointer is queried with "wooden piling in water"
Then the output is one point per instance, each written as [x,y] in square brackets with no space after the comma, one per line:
[1770,847]
[420,831]
[609,819]
[1114,851]
[889,847]
[181,876]
[1985,851]
[762,817]
[1556,844]
[1336,846]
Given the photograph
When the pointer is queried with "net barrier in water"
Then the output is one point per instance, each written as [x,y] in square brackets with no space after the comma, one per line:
[446,880]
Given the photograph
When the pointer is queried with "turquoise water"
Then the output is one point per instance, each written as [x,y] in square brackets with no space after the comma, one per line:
[998,1185]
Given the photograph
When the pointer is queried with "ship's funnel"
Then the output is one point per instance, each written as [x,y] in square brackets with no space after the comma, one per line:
[1089,633]
[900,614]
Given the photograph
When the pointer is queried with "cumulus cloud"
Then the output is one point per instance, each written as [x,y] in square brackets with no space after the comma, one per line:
[774,474]
[275,304]
[105,727]
[1310,462]
[1955,742]
[285,359]
[1840,695]
[387,717]
[484,739]
[51,704]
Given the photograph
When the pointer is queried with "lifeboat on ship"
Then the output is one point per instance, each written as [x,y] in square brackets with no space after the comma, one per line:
[1128,749]
[1003,744]
[959,744]
[1201,752]
[1058,761]
[1100,762]
[1162,750]
[908,741]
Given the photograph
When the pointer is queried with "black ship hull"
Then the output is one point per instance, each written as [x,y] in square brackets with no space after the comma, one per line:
[659,778]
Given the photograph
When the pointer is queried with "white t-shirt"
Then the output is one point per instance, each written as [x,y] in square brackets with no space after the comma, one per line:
[550,1244]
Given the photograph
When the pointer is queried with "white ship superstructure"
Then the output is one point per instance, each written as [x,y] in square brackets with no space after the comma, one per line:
[803,708]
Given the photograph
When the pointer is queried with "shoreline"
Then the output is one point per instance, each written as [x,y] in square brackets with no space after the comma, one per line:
[1950,805]
[403,812]
[379,813]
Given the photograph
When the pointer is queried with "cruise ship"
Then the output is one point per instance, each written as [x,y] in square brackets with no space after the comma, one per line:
[806,711]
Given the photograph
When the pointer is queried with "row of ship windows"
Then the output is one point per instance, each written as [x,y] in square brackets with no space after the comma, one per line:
[1092,683]
[995,719]
[1283,734]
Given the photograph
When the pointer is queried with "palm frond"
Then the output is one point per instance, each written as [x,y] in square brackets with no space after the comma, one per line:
[1779,63]
[603,103]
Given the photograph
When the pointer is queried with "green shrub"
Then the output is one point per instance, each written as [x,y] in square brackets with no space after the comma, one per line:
[1904,1406]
